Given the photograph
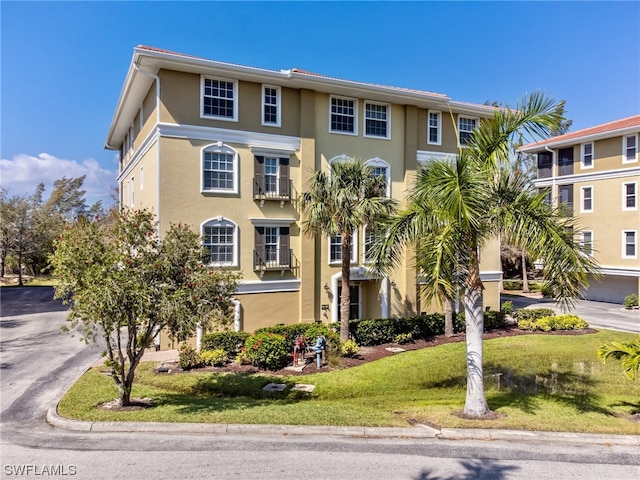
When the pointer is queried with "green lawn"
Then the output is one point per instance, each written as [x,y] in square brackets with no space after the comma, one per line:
[545,382]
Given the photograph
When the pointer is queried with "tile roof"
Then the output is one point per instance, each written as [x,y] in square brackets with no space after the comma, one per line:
[629,122]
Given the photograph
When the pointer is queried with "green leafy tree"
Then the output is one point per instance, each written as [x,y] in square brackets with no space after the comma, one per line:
[340,201]
[458,204]
[124,284]
[627,352]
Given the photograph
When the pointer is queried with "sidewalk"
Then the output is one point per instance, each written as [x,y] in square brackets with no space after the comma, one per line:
[415,432]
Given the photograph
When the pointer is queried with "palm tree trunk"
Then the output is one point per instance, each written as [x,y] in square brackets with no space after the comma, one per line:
[525,280]
[345,297]
[448,317]
[475,404]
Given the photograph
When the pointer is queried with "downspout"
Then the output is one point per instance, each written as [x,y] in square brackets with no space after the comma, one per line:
[236,315]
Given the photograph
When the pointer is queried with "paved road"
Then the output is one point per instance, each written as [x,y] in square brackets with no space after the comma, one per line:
[38,364]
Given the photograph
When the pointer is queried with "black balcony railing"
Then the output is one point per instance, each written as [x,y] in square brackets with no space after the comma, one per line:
[265,259]
[271,188]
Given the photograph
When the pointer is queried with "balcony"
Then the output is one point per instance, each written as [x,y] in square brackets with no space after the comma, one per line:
[273,260]
[272,188]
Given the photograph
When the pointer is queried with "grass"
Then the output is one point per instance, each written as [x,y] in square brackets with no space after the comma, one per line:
[28,281]
[534,382]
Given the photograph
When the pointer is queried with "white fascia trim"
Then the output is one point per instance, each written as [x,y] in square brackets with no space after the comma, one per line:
[423,156]
[257,286]
[257,140]
[271,222]
[270,152]
[621,271]
[584,177]
[148,142]
[491,276]
[586,139]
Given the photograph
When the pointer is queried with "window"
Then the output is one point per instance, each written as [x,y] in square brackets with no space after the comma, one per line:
[380,168]
[219,99]
[272,248]
[586,155]
[630,149]
[545,163]
[586,194]
[271,178]
[371,237]
[565,199]
[342,118]
[219,237]
[219,169]
[270,105]
[335,248]
[466,126]
[376,118]
[434,134]
[565,161]
[586,242]
[141,178]
[629,244]
[630,196]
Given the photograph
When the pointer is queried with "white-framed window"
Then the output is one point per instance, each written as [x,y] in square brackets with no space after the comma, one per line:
[466,126]
[371,237]
[586,155]
[586,242]
[132,191]
[586,199]
[141,177]
[377,120]
[219,99]
[629,244]
[219,169]
[434,128]
[271,109]
[630,148]
[381,169]
[335,248]
[343,115]
[630,196]
[271,165]
[220,239]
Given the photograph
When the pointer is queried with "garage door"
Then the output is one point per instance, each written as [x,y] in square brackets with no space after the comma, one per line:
[612,288]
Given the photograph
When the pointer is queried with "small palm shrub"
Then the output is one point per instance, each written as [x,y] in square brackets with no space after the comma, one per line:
[214,357]
[189,358]
[267,350]
[631,301]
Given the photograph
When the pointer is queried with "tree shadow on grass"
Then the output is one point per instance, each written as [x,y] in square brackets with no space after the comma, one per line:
[475,469]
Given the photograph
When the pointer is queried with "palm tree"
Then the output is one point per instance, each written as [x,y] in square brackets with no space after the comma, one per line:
[458,204]
[628,352]
[340,201]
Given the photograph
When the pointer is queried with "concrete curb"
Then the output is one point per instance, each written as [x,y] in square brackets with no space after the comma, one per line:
[420,431]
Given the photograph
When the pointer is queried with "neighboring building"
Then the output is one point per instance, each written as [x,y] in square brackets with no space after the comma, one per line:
[595,172]
[228,149]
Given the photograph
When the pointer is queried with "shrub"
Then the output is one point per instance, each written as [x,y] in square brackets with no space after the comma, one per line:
[374,332]
[189,358]
[230,342]
[349,348]
[512,284]
[631,301]
[310,331]
[267,350]
[547,291]
[494,320]
[403,338]
[532,313]
[507,307]
[554,322]
[215,357]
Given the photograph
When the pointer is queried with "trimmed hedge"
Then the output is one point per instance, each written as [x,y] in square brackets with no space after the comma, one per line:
[267,350]
[230,342]
[309,330]
[532,313]
[554,322]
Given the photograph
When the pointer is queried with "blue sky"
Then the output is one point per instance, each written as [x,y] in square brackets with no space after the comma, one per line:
[63,63]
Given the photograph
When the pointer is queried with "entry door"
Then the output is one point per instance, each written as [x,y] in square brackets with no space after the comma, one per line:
[354,303]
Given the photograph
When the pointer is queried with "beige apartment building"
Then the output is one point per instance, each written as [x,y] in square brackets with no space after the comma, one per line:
[595,173]
[228,149]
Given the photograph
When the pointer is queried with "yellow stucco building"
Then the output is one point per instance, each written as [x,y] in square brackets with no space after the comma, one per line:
[228,149]
[595,173]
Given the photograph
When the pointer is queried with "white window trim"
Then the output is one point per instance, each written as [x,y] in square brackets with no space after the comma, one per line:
[378,162]
[220,147]
[624,148]
[141,177]
[235,99]
[132,191]
[583,166]
[364,116]
[219,222]
[582,199]
[354,250]
[355,115]
[624,197]
[460,117]
[365,260]
[582,243]
[278,106]
[624,243]
[439,115]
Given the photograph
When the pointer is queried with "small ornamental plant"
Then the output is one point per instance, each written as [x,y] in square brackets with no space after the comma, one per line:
[215,357]
[267,350]
[349,348]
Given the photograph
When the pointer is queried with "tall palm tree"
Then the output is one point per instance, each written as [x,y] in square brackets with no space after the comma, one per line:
[340,201]
[458,204]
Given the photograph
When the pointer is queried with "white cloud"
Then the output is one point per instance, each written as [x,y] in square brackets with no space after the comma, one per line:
[23,172]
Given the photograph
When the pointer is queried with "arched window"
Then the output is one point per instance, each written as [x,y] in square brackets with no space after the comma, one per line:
[219,169]
[382,169]
[220,239]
